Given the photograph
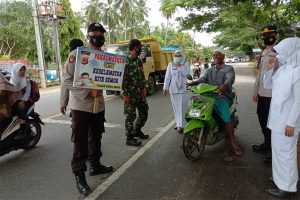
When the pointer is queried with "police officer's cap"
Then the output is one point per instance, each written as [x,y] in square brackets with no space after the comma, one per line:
[269,30]
[96,27]
[134,43]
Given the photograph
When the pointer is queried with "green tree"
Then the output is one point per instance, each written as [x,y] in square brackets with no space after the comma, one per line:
[126,8]
[68,29]
[168,10]
[110,17]
[16,29]
[239,22]
[92,12]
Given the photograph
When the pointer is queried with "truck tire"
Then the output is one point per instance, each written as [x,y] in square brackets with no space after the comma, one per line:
[151,85]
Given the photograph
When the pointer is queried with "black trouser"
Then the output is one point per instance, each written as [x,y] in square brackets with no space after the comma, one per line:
[263,107]
[87,129]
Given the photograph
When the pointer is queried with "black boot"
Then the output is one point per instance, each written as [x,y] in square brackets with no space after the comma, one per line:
[140,134]
[131,141]
[281,193]
[81,183]
[97,168]
[262,148]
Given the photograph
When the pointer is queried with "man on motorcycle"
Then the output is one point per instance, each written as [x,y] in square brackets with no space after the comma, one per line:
[223,76]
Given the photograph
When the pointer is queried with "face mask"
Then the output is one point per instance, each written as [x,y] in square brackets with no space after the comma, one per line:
[85,81]
[97,41]
[178,59]
[281,59]
[269,40]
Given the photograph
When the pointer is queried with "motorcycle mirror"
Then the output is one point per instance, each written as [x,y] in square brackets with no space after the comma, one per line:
[189,77]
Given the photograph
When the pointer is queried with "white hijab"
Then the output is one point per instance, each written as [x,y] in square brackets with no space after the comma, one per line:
[289,73]
[16,80]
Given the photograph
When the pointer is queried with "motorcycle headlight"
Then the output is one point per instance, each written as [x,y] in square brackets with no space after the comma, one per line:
[194,113]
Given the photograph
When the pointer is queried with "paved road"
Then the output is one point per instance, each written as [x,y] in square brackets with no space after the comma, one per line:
[157,170]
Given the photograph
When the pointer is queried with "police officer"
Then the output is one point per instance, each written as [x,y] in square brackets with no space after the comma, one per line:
[261,95]
[134,95]
[87,124]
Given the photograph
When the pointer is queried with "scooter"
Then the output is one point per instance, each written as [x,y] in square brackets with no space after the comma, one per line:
[10,138]
[196,70]
[204,126]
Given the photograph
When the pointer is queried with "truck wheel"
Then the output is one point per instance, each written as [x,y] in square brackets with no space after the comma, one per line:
[151,85]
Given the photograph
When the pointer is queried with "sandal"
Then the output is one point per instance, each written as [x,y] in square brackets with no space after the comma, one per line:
[175,127]
[236,150]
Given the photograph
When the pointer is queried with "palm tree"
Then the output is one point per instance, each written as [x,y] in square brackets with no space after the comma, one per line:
[126,10]
[168,10]
[141,9]
[106,12]
[110,17]
[92,12]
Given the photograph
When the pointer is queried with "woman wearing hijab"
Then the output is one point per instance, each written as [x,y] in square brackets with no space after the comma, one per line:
[175,83]
[284,117]
[23,103]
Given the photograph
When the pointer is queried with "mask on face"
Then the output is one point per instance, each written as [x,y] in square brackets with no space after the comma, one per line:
[97,41]
[281,59]
[269,40]
[178,59]
[85,80]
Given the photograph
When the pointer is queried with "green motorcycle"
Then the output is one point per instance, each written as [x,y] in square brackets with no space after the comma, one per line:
[204,126]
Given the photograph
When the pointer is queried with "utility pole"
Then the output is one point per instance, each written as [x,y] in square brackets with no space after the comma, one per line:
[194,30]
[39,44]
[56,43]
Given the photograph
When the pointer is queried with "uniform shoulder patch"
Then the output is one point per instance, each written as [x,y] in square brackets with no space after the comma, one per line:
[72,58]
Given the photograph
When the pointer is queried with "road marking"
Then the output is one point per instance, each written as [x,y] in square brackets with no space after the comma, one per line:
[53,121]
[116,175]
[57,115]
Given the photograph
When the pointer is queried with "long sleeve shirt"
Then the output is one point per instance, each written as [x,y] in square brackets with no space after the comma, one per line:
[224,75]
[175,78]
[25,92]
[134,79]
[80,99]
[285,104]
[259,88]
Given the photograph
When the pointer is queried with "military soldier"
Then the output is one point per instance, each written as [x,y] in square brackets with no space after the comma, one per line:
[134,95]
[87,124]
[261,95]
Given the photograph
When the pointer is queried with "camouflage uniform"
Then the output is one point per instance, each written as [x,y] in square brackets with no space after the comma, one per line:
[133,86]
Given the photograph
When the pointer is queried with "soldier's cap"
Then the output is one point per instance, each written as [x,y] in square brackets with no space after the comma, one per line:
[134,43]
[96,27]
[219,50]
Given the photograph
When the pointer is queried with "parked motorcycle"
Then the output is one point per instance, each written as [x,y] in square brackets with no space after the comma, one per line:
[10,138]
[196,70]
[204,126]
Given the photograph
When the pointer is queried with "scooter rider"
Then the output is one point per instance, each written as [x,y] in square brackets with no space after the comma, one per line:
[223,76]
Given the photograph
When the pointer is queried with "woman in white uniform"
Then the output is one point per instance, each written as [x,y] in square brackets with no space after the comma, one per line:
[284,116]
[175,83]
